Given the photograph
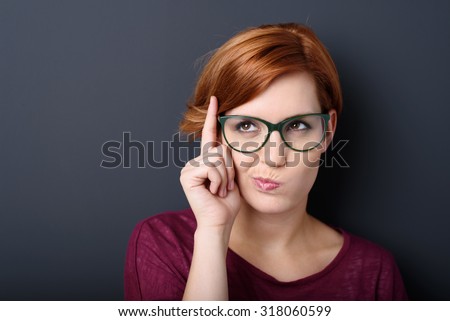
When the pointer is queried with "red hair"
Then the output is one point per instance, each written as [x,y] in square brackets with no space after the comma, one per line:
[245,66]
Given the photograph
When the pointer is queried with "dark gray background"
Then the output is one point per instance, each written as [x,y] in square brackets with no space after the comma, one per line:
[75,74]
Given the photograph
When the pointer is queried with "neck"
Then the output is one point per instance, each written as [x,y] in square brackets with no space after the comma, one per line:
[270,231]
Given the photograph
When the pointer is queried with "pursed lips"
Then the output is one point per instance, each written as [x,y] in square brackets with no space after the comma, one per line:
[266,184]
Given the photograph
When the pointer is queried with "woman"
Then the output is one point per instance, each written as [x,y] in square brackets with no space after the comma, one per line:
[266,105]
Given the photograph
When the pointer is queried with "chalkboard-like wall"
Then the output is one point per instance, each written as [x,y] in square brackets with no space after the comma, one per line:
[76,75]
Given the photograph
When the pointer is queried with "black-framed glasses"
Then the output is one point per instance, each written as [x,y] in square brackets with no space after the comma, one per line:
[248,134]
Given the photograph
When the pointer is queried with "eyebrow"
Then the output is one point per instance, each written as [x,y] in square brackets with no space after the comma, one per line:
[296,115]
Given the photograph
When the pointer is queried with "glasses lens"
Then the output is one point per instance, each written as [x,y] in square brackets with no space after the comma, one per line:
[245,134]
[304,132]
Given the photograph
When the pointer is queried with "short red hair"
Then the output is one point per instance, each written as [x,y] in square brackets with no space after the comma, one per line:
[248,63]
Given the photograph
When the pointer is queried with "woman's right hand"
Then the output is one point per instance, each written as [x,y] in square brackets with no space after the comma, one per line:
[208,180]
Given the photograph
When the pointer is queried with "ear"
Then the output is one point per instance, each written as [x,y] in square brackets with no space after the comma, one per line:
[331,129]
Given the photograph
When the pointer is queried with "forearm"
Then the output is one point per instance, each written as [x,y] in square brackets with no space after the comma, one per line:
[208,274]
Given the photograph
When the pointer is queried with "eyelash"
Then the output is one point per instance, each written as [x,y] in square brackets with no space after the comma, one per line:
[242,123]
[300,123]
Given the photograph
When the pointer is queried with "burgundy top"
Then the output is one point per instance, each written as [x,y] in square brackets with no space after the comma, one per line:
[160,251]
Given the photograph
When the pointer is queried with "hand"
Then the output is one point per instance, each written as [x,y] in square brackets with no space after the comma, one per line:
[208,180]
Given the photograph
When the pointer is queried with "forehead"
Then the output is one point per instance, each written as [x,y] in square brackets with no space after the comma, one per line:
[287,96]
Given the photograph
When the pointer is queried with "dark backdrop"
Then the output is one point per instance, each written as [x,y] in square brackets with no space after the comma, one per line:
[76,74]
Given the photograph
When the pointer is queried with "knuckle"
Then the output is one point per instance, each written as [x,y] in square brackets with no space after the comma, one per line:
[182,179]
[183,170]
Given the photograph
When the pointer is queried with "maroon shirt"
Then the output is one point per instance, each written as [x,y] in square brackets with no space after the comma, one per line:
[160,251]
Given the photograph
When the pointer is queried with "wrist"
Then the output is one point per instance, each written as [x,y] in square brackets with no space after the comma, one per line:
[212,237]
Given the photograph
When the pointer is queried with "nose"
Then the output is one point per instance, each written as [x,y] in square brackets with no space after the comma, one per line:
[274,151]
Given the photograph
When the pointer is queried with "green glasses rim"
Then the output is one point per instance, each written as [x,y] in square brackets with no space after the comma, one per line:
[275,127]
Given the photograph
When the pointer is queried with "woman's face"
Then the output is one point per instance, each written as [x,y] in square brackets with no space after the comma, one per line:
[294,172]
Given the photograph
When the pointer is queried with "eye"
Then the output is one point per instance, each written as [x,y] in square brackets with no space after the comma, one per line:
[298,125]
[246,126]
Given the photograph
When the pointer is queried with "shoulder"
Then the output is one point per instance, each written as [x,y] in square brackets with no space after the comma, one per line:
[170,217]
[158,256]
[375,266]
[169,222]
[171,228]
[366,251]
[163,228]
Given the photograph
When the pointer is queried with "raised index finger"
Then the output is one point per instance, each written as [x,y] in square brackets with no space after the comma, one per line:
[209,132]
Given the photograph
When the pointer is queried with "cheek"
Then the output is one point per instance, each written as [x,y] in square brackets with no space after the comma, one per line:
[305,169]
[303,176]
[244,161]
[309,159]
[299,172]
[296,162]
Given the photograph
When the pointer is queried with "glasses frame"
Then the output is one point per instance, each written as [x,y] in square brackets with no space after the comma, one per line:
[274,127]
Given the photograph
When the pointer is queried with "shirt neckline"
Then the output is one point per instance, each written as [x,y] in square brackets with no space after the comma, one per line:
[263,275]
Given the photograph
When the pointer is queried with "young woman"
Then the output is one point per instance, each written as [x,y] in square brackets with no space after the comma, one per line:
[266,105]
